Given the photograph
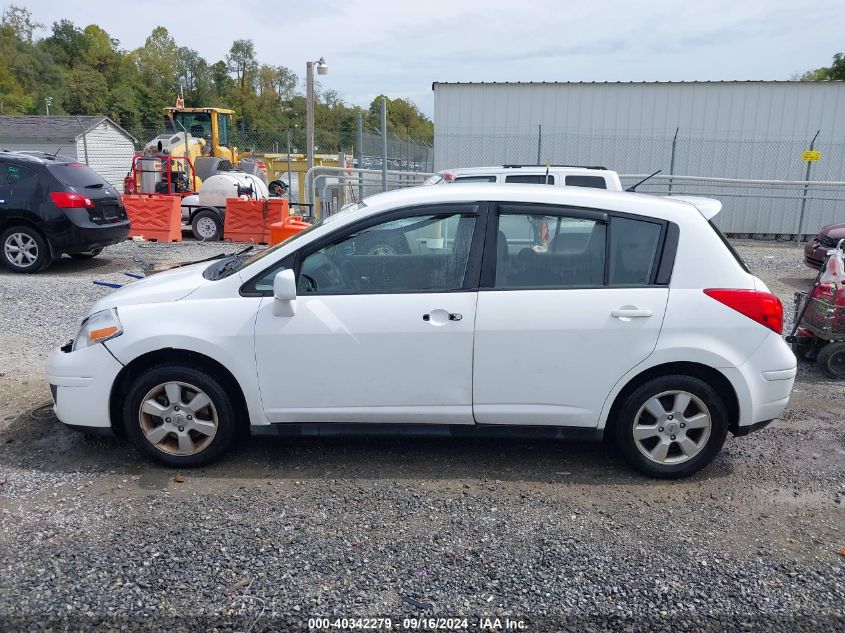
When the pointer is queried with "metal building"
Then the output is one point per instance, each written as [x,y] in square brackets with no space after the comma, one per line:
[96,140]
[723,129]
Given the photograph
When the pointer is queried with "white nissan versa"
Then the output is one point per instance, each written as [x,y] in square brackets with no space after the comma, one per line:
[457,310]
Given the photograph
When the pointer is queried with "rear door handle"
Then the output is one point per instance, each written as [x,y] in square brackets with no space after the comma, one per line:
[630,313]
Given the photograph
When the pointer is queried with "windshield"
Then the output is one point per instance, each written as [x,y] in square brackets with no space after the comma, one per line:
[198,124]
[233,263]
[77,175]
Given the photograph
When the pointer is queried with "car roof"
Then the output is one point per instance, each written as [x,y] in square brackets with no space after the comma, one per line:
[511,169]
[586,197]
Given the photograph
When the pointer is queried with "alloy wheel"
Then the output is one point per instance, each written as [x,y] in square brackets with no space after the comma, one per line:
[20,249]
[672,427]
[178,418]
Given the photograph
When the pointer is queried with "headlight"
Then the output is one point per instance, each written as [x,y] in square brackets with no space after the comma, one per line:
[98,328]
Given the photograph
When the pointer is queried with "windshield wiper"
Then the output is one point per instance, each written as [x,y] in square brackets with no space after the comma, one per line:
[96,185]
[229,263]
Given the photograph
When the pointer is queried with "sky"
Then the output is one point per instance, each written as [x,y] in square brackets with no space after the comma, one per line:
[399,48]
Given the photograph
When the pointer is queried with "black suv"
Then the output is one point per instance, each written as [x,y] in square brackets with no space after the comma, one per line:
[50,207]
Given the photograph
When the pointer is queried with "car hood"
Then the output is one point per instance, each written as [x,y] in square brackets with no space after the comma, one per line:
[170,285]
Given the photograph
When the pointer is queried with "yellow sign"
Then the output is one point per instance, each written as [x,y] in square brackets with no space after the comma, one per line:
[811,156]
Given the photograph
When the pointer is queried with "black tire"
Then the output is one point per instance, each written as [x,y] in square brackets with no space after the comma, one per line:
[37,255]
[201,223]
[711,444]
[87,254]
[831,359]
[153,379]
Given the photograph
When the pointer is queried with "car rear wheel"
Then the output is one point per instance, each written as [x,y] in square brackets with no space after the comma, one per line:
[24,250]
[831,359]
[206,226]
[671,426]
[179,416]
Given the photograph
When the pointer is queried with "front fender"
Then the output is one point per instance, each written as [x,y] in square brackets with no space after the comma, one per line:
[220,329]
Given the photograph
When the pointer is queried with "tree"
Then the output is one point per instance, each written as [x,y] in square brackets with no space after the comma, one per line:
[20,23]
[833,72]
[87,92]
[242,62]
[66,44]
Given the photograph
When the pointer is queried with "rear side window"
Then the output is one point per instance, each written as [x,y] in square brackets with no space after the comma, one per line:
[21,177]
[548,251]
[596,182]
[475,179]
[77,175]
[3,179]
[632,251]
[532,179]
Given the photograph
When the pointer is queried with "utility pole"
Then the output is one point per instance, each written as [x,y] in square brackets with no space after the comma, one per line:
[322,69]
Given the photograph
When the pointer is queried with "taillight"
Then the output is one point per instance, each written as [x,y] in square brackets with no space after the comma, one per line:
[67,200]
[763,307]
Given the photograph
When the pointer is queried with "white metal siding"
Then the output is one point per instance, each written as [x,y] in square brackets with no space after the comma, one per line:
[109,153]
[711,109]
[726,129]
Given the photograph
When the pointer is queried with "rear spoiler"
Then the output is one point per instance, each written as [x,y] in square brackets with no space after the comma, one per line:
[708,207]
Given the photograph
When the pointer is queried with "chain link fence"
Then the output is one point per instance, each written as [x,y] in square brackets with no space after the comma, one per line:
[750,209]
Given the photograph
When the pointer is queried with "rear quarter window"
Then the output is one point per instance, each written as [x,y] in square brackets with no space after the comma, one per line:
[76,175]
[595,182]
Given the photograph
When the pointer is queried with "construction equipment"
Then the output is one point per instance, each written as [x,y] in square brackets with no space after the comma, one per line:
[203,134]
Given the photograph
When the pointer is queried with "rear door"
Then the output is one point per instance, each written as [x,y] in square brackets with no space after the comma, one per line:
[570,300]
[5,191]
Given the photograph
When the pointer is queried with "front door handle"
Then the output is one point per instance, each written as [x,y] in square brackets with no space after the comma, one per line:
[627,313]
[438,317]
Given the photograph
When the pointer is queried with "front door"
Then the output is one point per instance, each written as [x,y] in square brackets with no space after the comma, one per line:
[571,305]
[383,326]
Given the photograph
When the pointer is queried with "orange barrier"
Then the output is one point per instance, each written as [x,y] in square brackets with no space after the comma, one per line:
[291,225]
[157,218]
[250,220]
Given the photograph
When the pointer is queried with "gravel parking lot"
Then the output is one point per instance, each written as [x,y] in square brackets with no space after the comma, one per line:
[559,536]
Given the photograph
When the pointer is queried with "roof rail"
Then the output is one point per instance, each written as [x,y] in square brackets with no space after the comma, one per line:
[514,166]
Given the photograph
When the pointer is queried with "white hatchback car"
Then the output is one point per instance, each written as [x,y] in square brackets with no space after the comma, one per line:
[554,311]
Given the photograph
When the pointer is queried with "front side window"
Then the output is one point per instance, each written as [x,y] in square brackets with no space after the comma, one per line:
[548,251]
[422,253]
[633,251]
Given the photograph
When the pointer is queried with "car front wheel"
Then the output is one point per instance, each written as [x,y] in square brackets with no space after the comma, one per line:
[178,415]
[671,426]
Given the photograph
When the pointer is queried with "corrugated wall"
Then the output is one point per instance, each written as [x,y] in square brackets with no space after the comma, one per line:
[725,129]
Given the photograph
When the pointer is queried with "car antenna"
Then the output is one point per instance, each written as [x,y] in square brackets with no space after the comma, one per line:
[57,152]
[548,165]
[649,177]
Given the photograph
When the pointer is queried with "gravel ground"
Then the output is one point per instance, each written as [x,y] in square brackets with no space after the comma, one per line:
[555,536]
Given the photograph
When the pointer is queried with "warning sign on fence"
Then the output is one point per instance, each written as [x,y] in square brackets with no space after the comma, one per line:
[811,156]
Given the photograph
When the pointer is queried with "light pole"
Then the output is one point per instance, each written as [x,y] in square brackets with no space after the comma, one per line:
[322,69]
[48,101]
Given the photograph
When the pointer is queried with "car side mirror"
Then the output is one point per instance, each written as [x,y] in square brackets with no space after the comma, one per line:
[284,293]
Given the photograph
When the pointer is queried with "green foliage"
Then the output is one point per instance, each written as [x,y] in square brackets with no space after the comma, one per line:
[836,71]
[85,72]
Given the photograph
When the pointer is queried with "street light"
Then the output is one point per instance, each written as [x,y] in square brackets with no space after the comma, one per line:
[322,69]
[48,101]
